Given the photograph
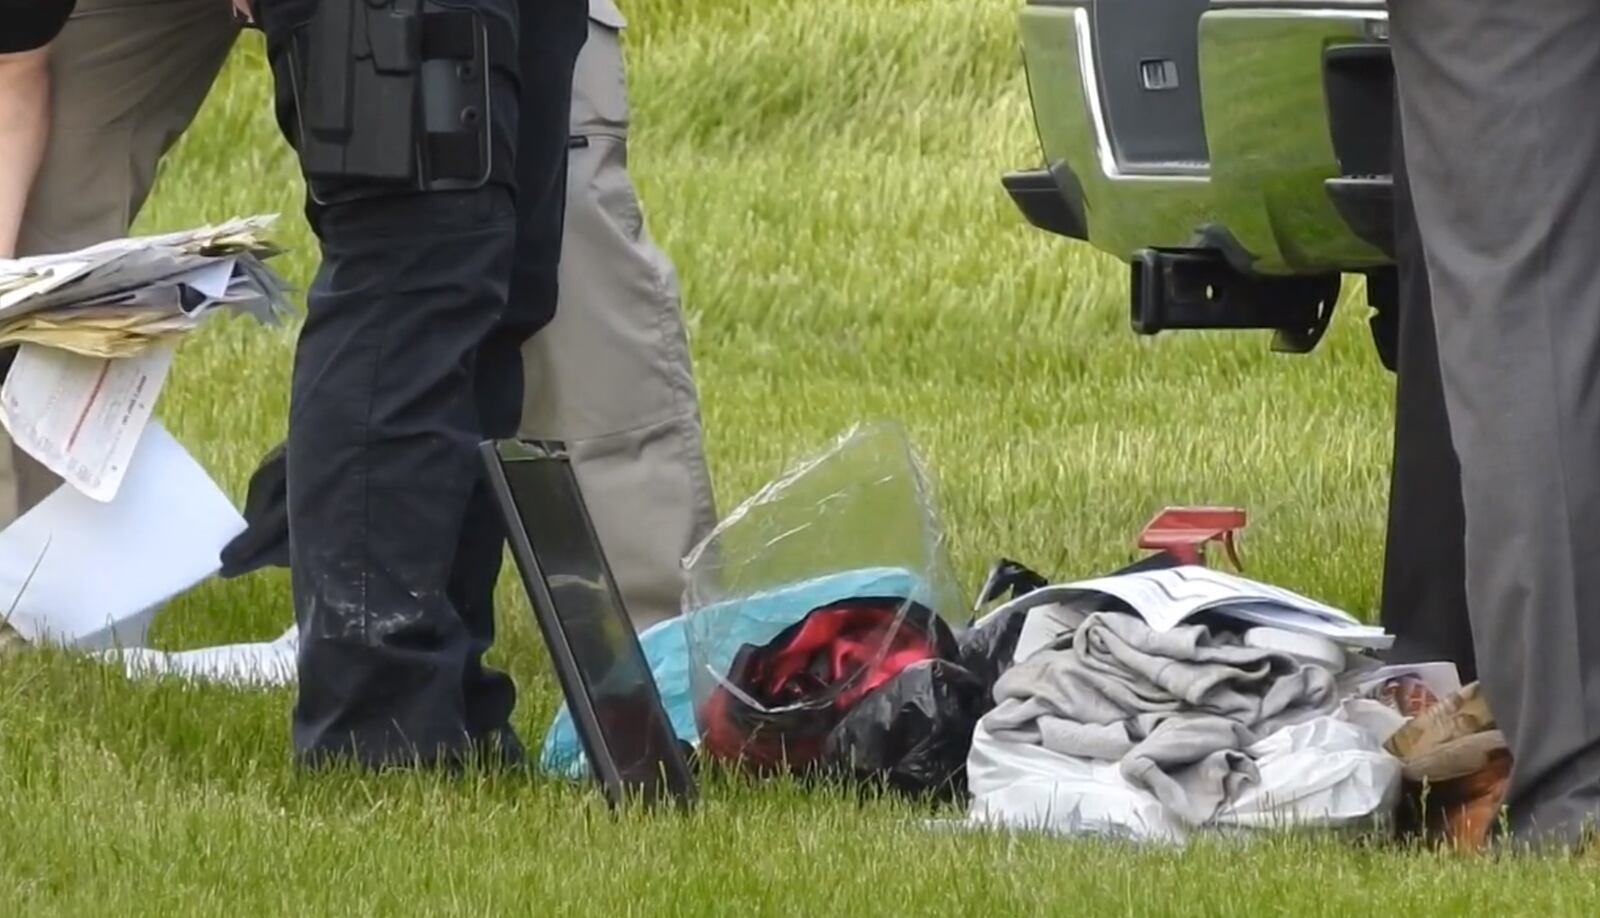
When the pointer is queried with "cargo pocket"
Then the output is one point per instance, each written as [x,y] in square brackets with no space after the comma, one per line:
[614,194]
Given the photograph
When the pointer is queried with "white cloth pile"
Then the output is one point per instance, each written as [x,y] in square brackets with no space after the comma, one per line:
[1327,772]
[1116,727]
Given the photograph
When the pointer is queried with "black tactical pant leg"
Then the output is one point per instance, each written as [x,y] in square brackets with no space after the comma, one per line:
[395,547]
[383,425]
[1424,566]
[561,28]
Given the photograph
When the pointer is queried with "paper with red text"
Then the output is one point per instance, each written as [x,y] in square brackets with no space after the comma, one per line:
[82,417]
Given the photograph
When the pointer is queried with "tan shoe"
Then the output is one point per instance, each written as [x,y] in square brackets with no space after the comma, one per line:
[1456,758]
[1455,719]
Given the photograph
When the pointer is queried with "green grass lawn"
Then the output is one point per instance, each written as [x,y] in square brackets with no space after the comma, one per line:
[825,173]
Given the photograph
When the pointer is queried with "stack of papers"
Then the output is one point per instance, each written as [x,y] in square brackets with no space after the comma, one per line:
[137,521]
[120,297]
[98,329]
[1167,598]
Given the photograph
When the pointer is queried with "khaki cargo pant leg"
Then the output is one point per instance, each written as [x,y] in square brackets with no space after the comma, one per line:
[128,77]
[611,375]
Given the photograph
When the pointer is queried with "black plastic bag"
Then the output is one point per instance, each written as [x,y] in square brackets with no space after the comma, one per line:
[914,732]
[987,649]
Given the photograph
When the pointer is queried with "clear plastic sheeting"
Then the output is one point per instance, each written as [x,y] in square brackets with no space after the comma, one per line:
[771,667]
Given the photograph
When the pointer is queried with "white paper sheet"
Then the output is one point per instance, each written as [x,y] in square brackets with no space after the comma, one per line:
[1368,636]
[1166,598]
[104,567]
[49,277]
[82,417]
[212,280]
[1441,678]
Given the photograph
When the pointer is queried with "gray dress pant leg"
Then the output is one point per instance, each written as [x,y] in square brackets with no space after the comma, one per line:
[1501,106]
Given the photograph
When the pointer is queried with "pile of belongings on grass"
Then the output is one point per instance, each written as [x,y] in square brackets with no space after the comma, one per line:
[1162,701]
[1152,704]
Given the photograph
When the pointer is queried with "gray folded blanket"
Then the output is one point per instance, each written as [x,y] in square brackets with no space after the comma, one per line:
[1177,709]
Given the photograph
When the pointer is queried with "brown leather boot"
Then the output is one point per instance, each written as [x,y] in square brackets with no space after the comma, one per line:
[1470,806]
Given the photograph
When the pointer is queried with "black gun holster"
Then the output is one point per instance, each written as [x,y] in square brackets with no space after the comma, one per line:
[392,96]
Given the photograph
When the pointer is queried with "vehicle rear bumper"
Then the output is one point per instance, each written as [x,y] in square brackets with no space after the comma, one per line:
[1296,103]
